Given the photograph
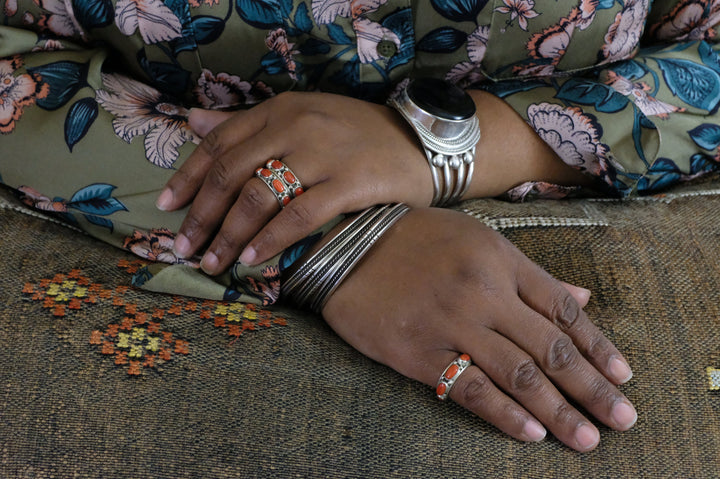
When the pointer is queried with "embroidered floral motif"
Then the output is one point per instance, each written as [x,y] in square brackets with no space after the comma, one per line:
[137,340]
[224,90]
[141,110]
[17,92]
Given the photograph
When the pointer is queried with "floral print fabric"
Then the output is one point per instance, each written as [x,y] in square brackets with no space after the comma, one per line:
[94,94]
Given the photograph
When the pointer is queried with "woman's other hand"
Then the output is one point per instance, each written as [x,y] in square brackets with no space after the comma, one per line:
[439,284]
[349,154]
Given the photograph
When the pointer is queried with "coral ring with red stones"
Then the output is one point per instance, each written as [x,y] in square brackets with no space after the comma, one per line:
[281,181]
[450,375]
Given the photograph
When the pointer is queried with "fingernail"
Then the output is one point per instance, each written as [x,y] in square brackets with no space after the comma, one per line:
[534,431]
[586,437]
[620,370]
[209,263]
[181,246]
[247,257]
[624,415]
[164,200]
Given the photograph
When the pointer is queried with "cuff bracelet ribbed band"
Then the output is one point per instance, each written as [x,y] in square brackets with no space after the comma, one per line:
[313,283]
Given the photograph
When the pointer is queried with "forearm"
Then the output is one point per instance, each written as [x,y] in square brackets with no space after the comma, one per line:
[510,152]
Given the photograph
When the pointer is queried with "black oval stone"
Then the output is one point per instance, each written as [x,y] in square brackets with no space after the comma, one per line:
[441,98]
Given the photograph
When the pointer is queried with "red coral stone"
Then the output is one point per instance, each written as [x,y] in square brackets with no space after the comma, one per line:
[278,185]
[452,371]
[441,388]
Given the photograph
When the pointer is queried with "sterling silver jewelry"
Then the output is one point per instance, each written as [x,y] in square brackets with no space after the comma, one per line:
[443,117]
[450,375]
[315,281]
[281,181]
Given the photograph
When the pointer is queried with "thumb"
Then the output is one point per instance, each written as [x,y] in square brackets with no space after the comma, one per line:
[204,121]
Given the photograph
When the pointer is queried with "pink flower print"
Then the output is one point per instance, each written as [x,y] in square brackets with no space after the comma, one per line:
[584,14]
[156,22]
[465,74]
[623,36]
[690,20]
[49,45]
[552,42]
[224,90]
[477,43]
[539,189]
[325,11]
[17,92]
[141,110]
[574,136]
[520,9]
[60,20]
[649,105]
[37,200]
[156,245]
[369,35]
[269,289]
[277,41]
[11,7]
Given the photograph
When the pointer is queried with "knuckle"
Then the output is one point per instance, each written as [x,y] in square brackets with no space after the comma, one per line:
[474,392]
[562,353]
[525,376]
[600,392]
[219,175]
[598,348]
[192,224]
[213,144]
[225,240]
[297,215]
[565,311]
[253,197]
[563,413]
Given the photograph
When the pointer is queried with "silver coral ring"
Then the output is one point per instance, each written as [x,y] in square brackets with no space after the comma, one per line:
[450,375]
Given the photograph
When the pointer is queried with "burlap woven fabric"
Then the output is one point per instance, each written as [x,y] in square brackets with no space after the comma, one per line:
[223,393]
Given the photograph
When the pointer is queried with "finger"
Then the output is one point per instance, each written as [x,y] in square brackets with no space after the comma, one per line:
[514,371]
[581,295]
[203,121]
[255,205]
[559,359]
[219,191]
[477,393]
[217,144]
[298,219]
[548,297]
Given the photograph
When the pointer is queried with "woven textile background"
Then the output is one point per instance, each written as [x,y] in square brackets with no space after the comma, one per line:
[99,379]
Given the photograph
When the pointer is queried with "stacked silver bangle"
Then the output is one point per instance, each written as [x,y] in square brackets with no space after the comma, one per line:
[313,283]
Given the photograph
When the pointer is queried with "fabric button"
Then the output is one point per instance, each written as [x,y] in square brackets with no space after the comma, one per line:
[387,48]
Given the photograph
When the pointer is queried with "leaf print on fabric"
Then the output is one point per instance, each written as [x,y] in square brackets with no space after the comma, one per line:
[587,92]
[325,11]
[199,3]
[264,13]
[639,91]
[155,21]
[224,90]
[267,290]
[442,40]
[459,10]
[695,84]
[522,10]
[623,36]
[706,136]
[64,79]
[156,245]
[60,20]
[141,110]
[17,92]
[93,201]
[688,20]
[467,73]
[573,135]
[79,119]
[93,13]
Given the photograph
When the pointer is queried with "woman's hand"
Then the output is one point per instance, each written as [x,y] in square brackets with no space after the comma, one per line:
[438,284]
[349,154]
